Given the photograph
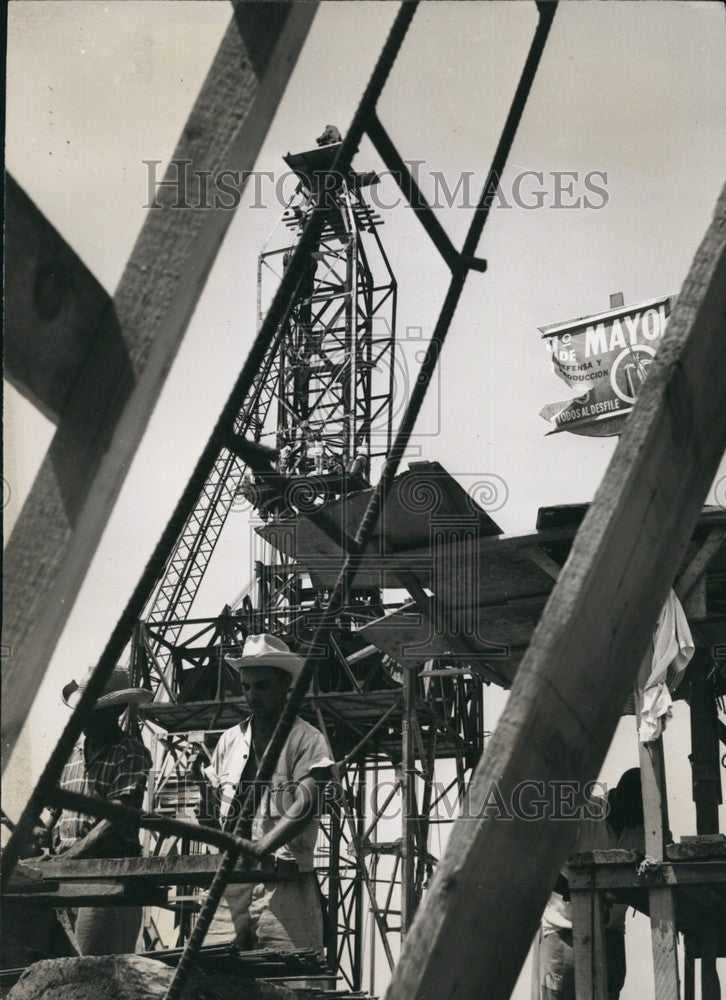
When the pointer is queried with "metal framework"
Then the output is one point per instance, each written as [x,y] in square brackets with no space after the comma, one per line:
[323,393]
[334,374]
[405,742]
[421,708]
[324,398]
[419,739]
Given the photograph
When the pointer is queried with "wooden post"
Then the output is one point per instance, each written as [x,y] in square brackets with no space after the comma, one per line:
[706,776]
[476,924]
[706,772]
[106,412]
[588,944]
[664,936]
[689,976]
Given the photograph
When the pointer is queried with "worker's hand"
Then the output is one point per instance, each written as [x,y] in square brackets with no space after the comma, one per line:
[196,771]
[250,857]
[42,836]
[77,851]
[256,852]
[38,844]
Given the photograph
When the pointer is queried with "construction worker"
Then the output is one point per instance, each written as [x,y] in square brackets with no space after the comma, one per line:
[316,453]
[621,827]
[357,464]
[356,470]
[285,455]
[330,135]
[283,915]
[111,765]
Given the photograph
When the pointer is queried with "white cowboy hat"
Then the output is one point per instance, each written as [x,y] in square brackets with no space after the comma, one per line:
[117,691]
[267,651]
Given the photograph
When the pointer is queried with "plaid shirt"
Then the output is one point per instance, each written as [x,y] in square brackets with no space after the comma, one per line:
[116,771]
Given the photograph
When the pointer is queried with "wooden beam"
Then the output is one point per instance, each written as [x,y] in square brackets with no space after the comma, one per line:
[705,755]
[197,869]
[54,308]
[618,875]
[706,778]
[698,565]
[87,892]
[588,945]
[540,558]
[477,922]
[59,528]
[664,943]
[70,894]
[661,898]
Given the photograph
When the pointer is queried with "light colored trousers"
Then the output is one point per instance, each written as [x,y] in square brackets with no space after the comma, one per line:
[281,916]
[553,968]
[107,930]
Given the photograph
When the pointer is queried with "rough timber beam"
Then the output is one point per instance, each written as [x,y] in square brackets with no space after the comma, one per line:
[54,309]
[475,927]
[62,521]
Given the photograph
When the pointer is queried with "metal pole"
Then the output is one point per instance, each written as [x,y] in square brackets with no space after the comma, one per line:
[408,789]
[359,907]
[336,831]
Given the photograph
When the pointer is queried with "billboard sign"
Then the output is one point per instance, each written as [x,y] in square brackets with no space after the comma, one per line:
[605,360]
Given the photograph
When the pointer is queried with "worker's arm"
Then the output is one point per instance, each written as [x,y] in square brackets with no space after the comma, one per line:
[127,789]
[98,835]
[562,886]
[297,816]
[87,846]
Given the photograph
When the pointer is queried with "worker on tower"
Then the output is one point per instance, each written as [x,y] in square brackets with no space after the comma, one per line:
[284,915]
[357,464]
[330,135]
[316,454]
[285,455]
[357,470]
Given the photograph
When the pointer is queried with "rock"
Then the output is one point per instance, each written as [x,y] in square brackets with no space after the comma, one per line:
[131,977]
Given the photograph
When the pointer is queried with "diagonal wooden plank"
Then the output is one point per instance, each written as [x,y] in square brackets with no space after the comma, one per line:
[473,932]
[696,568]
[171,869]
[53,307]
[62,521]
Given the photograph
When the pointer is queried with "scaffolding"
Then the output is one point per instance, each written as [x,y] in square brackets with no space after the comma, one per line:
[322,403]
[432,699]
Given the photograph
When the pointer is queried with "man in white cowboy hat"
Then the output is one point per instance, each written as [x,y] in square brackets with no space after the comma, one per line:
[284,915]
[112,765]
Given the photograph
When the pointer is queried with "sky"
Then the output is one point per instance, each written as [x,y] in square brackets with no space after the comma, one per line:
[633,92]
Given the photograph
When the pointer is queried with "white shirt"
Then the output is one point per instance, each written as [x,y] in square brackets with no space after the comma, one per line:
[305,751]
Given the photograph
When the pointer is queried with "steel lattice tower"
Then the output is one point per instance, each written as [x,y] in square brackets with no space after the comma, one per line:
[319,413]
[323,395]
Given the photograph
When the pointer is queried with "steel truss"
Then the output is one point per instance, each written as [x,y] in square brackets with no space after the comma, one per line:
[323,398]
[325,384]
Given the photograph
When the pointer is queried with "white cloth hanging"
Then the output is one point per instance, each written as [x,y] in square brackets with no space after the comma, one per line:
[672,649]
